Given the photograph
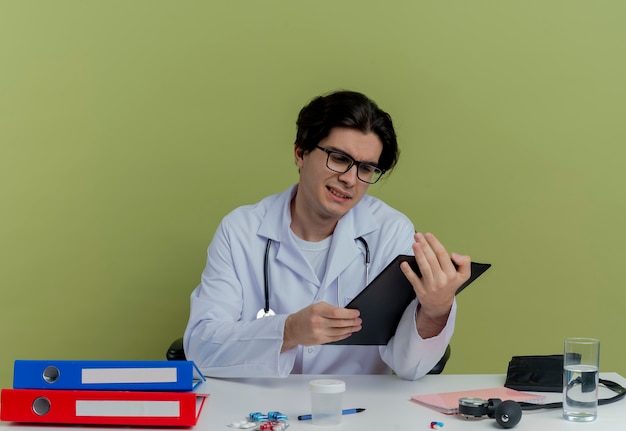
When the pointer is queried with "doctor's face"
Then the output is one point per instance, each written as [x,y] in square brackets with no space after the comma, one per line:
[329,195]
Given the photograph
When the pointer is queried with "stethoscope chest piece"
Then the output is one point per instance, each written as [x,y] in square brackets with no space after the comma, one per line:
[263,313]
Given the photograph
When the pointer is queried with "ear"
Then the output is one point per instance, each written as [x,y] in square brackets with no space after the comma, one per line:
[299,155]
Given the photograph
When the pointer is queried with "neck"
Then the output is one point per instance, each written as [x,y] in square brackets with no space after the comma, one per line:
[306,225]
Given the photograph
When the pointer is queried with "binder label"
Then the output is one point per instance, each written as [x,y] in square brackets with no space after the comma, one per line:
[162,409]
[128,375]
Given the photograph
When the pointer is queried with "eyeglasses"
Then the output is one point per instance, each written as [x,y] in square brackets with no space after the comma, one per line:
[341,163]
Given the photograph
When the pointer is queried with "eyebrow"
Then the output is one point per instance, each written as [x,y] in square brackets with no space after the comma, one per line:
[349,155]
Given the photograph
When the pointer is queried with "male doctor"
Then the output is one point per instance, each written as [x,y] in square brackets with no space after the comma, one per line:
[280,272]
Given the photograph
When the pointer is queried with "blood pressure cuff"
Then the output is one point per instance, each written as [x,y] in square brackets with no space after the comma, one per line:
[535,373]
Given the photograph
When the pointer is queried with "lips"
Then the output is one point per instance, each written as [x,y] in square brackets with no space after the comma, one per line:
[338,193]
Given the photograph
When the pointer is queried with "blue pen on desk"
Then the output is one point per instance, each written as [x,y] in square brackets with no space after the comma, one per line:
[343,412]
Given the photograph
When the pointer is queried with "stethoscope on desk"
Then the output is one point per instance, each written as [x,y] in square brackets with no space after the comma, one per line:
[266,310]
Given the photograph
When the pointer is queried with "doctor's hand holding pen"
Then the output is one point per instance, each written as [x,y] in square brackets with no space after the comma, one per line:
[442,275]
[319,323]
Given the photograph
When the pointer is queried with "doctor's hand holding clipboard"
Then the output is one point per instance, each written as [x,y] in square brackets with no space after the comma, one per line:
[441,276]
[320,323]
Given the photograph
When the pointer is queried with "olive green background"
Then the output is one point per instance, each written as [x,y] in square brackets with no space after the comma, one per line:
[128,129]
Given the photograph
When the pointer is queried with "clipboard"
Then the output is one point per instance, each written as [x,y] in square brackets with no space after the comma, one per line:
[383,301]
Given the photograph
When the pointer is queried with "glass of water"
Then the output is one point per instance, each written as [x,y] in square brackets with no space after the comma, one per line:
[581,363]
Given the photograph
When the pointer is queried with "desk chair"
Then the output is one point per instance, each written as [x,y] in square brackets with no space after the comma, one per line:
[177,353]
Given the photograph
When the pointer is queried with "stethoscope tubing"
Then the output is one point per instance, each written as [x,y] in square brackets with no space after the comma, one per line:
[267,311]
[266,276]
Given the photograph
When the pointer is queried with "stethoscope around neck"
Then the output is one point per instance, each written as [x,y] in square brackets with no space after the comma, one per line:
[266,310]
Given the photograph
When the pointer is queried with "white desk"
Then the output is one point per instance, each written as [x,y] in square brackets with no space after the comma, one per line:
[385,398]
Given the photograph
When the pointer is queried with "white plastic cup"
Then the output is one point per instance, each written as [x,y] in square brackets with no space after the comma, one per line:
[326,401]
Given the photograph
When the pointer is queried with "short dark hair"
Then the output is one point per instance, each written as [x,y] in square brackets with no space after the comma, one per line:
[347,109]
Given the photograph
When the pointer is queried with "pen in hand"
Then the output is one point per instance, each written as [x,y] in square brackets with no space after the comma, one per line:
[343,412]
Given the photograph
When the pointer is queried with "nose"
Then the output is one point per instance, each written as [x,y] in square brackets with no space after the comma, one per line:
[350,176]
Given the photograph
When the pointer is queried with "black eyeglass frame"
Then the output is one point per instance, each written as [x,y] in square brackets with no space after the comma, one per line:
[353,162]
